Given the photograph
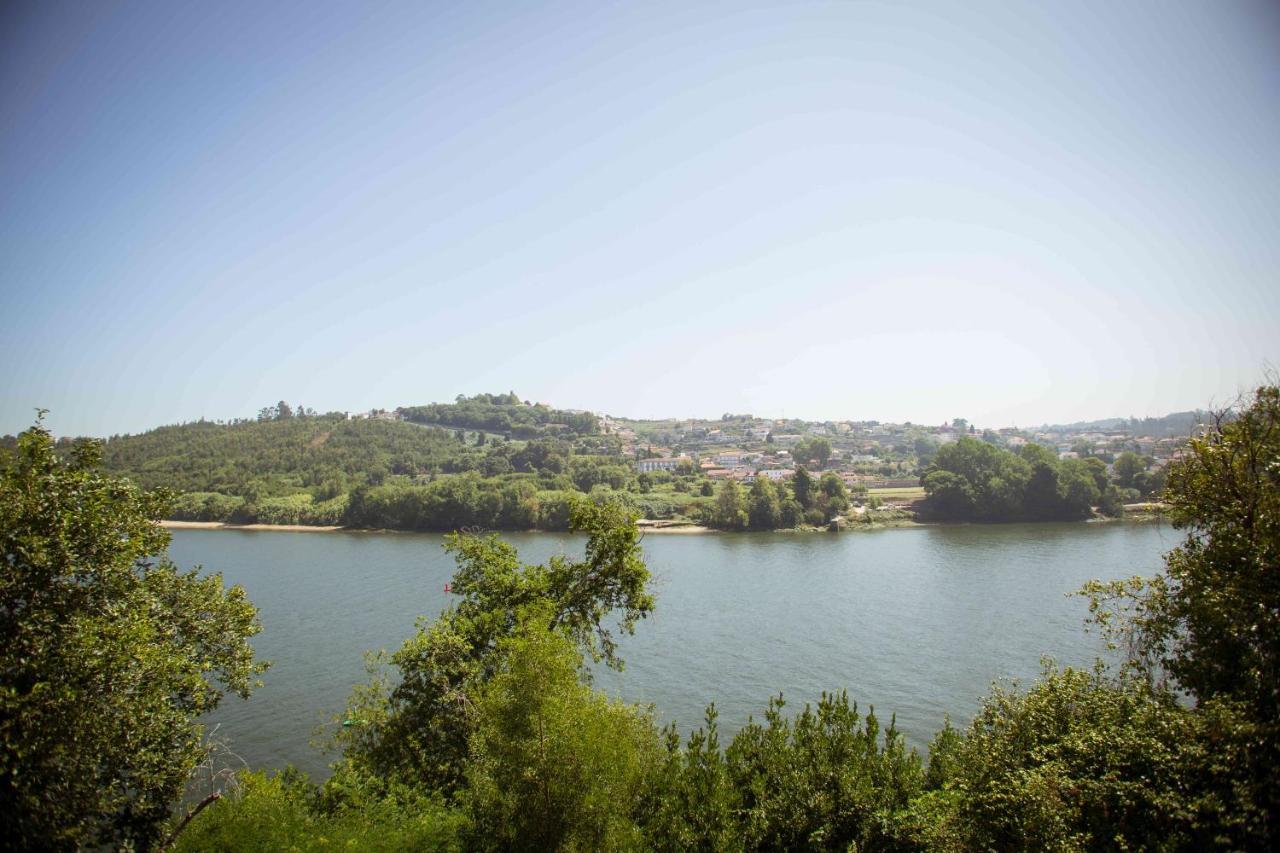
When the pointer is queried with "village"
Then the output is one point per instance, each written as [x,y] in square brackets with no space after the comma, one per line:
[871,456]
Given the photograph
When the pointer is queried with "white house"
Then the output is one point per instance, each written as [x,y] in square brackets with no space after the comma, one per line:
[665,463]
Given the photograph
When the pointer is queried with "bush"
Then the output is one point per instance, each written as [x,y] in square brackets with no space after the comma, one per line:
[1080,762]
[285,812]
[554,765]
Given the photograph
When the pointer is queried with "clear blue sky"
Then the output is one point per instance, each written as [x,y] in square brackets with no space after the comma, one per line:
[1013,213]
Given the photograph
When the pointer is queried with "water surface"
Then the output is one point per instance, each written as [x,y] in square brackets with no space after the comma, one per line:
[916,622]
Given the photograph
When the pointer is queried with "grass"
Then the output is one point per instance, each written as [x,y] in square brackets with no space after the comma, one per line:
[907,492]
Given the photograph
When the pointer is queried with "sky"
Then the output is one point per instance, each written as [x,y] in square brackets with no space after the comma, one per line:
[1015,213]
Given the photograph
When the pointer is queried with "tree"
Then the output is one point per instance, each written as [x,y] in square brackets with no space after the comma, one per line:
[835,498]
[1212,620]
[764,511]
[812,448]
[554,765]
[1126,468]
[802,486]
[1079,762]
[108,654]
[417,731]
[1210,623]
[728,512]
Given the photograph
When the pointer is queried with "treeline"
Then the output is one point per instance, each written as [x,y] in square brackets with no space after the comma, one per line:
[505,414]
[327,470]
[769,505]
[971,480]
[324,455]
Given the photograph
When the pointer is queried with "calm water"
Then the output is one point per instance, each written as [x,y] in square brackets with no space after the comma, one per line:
[915,621]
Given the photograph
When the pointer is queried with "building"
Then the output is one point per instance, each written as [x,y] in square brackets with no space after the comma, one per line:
[662,463]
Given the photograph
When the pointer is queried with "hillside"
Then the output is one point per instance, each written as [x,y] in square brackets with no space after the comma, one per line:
[490,461]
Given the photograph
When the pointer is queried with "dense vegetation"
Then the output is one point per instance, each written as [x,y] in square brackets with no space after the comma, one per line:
[484,731]
[287,468]
[971,480]
[108,654]
[503,413]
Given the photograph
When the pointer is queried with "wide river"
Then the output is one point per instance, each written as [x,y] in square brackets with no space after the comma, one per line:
[916,622]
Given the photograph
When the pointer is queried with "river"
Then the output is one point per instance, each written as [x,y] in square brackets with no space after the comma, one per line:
[915,621]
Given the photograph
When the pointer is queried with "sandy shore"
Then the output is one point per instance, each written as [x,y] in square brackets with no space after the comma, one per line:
[221,525]
[675,528]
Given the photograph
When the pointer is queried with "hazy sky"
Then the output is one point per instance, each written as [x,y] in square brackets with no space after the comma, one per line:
[1013,213]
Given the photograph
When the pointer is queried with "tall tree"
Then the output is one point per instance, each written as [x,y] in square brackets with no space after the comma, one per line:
[728,512]
[108,654]
[802,486]
[764,510]
[1126,468]
[417,731]
[1211,621]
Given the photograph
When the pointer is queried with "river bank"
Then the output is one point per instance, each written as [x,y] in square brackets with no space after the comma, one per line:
[646,526]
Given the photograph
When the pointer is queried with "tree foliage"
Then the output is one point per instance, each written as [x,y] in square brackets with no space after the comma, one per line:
[829,779]
[1210,623]
[1082,762]
[552,764]
[971,480]
[108,653]
[503,413]
[417,730]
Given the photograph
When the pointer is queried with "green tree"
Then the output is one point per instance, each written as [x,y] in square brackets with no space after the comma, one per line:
[417,730]
[1080,762]
[764,510]
[812,448]
[1212,619]
[108,654]
[825,780]
[835,498]
[1126,468]
[690,802]
[1210,623]
[802,487]
[728,512]
[554,765]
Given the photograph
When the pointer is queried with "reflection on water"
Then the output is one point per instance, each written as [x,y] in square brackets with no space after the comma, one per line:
[916,622]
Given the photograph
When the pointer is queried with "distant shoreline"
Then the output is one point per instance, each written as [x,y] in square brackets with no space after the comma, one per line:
[224,525]
[1135,516]
[171,524]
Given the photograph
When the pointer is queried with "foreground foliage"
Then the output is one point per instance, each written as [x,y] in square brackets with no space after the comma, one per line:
[417,731]
[286,812]
[108,654]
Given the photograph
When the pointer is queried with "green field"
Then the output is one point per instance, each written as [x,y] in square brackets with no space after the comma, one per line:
[905,493]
